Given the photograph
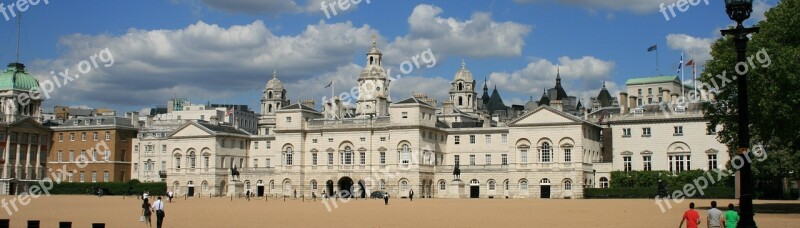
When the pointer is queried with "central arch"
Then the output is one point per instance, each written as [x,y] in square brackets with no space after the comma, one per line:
[345,185]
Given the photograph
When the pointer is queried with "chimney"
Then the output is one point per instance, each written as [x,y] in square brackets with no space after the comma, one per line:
[623,104]
[665,95]
[674,97]
[447,107]
[557,104]
[631,102]
[148,121]
[214,120]
[135,119]
[309,103]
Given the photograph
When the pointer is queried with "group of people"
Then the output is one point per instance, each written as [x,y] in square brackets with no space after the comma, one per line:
[156,207]
[716,218]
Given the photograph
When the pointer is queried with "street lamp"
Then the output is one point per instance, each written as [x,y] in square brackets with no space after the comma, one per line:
[739,11]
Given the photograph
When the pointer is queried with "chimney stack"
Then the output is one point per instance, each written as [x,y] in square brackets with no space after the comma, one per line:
[309,103]
[631,102]
[665,95]
[623,104]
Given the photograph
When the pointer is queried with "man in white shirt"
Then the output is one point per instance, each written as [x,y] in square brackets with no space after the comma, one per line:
[144,195]
[714,216]
[158,207]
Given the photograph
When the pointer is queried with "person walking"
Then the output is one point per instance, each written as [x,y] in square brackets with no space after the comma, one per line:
[411,195]
[691,217]
[145,194]
[731,217]
[146,213]
[714,216]
[248,194]
[385,198]
[158,208]
[170,194]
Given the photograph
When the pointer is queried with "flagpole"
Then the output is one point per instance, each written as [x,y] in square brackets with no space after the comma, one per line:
[657,70]
[680,67]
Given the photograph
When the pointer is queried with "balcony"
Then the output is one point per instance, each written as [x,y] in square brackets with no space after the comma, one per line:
[162,174]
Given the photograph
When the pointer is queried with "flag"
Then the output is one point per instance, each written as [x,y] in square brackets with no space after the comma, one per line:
[652,48]
[229,112]
[329,84]
[680,66]
[690,63]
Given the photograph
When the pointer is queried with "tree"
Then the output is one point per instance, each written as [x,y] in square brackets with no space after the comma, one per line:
[774,95]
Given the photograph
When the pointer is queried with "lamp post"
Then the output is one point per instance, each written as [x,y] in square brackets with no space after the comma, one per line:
[594,178]
[739,11]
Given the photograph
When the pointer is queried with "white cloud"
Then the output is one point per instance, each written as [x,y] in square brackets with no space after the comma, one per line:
[695,48]
[581,77]
[759,8]
[637,6]
[480,36]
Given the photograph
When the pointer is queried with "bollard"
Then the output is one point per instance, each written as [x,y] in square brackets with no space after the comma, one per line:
[64,224]
[33,223]
[4,223]
[98,225]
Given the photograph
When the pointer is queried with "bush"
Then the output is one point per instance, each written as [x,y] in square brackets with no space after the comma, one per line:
[109,188]
[649,179]
[622,193]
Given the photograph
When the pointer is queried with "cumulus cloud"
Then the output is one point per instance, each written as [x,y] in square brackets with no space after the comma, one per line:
[637,6]
[695,48]
[479,36]
[253,6]
[581,77]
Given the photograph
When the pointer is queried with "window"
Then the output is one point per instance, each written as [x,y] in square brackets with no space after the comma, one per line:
[457,139]
[255,162]
[648,163]
[313,185]
[363,158]
[523,156]
[192,160]
[640,91]
[627,163]
[60,137]
[313,140]
[405,115]
[94,176]
[383,158]
[568,185]
[82,177]
[108,135]
[712,161]
[330,140]
[679,163]
[491,185]
[505,138]
[488,159]
[269,144]
[545,153]
[94,136]
[348,156]
[488,139]
[504,159]
[405,154]
[71,155]
[363,139]
[383,139]
[71,137]
[523,185]
[205,162]
[472,139]
[288,156]
[330,158]
[107,155]
[403,185]
[442,186]
[471,159]
[314,159]
[603,182]
[136,148]
[457,159]
[105,176]
[164,165]
[255,145]
[178,163]
[382,184]
[649,90]
[60,154]
[288,119]
[626,132]
[678,130]
[267,163]
[645,132]
[83,136]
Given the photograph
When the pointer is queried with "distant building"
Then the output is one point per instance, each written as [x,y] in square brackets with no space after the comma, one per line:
[64,113]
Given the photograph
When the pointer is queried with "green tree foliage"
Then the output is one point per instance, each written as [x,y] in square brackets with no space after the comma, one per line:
[773,95]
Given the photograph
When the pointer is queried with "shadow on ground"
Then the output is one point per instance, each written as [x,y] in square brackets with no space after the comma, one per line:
[764,208]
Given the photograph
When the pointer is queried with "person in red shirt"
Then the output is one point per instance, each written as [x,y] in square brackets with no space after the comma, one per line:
[691,217]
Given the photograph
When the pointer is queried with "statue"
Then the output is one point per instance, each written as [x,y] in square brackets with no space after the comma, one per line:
[234,173]
[456,172]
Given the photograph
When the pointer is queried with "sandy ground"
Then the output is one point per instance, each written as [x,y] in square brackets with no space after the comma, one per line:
[224,212]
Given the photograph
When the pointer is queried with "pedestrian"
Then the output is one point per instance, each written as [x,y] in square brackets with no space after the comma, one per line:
[731,217]
[385,198]
[144,195]
[170,194]
[248,194]
[411,194]
[146,213]
[714,216]
[691,217]
[158,208]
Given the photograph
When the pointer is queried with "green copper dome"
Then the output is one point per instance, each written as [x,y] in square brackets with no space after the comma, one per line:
[15,77]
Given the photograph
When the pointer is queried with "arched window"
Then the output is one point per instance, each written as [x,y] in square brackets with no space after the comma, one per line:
[347,156]
[460,101]
[460,86]
[313,185]
[474,182]
[545,181]
[404,185]
[269,94]
[272,185]
[442,185]
[491,185]
[288,156]
[370,60]
[545,153]
[603,182]
[523,185]
[175,186]
[405,154]
[192,160]
[568,185]
[505,185]
[247,185]
[382,185]
[269,108]
[204,186]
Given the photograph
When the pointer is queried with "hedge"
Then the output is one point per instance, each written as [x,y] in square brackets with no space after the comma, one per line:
[109,188]
[617,193]
[649,179]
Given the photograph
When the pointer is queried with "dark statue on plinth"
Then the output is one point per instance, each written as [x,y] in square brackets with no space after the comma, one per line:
[234,173]
[456,172]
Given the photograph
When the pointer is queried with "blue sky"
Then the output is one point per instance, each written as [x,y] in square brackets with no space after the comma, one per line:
[224,51]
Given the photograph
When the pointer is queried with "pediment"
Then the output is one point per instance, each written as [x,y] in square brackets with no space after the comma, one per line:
[545,115]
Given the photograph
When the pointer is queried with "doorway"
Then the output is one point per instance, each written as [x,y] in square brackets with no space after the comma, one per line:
[545,188]
[345,185]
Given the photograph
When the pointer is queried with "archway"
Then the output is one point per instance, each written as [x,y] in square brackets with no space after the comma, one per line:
[329,187]
[345,185]
[362,189]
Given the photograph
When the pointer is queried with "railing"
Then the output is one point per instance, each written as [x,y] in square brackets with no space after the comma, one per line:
[324,123]
[472,168]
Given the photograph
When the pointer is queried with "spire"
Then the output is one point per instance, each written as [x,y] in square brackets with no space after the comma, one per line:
[558,76]
[484,85]
[374,40]
[274,74]
[604,84]
[463,64]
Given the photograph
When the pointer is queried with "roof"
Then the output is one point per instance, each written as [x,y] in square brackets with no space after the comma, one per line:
[15,77]
[298,106]
[463,74]
[412,100]
[655,79]
[545,100]
[604,97]
[222,128]
[274,83]
[495,102]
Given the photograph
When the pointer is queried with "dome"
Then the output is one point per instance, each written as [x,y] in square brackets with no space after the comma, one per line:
[463,73]
[16,78]
[274,83]
[374,51]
